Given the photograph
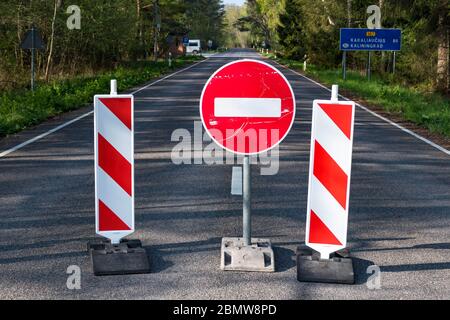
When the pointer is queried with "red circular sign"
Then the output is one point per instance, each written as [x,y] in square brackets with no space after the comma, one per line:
[247,107]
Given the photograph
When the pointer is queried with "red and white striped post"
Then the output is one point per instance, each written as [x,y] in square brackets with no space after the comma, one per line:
[329,174]
[114,164]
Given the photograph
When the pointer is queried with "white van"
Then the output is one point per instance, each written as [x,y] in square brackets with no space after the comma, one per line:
[193,47]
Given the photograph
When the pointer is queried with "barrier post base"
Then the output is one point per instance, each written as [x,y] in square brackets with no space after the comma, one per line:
[236,256]
[127,257]
[337,269]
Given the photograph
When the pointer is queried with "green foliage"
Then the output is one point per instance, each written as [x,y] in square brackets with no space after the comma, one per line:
[111,32]
[21,108]
[290,31]
[311,28]
[262,20]
[205,20]
[233,36]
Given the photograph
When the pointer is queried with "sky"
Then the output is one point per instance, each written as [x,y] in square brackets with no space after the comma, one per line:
[239,2]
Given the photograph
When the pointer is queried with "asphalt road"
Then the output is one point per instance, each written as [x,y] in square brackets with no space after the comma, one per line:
[399,207]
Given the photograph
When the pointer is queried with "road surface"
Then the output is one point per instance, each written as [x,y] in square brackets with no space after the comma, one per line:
[399,207]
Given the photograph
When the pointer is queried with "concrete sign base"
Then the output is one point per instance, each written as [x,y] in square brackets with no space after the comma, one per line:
[127,257]
[258,256]
[337,269]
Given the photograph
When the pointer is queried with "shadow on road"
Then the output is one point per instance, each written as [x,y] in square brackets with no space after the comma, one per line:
[416,267]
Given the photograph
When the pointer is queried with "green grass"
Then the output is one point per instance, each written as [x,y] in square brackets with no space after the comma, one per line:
[429,110]
[20,109]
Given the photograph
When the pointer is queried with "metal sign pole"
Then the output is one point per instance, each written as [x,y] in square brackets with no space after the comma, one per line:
[32,57]
[247,202]
[368,66]
[393,64]
[344,65]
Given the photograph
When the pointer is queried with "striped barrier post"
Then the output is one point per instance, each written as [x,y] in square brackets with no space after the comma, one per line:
[114,187]
[114,165]
[329,184]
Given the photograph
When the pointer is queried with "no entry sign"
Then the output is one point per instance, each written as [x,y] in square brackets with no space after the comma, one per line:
[247,107]
[114,166]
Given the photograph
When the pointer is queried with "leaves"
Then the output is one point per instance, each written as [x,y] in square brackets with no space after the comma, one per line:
[111,32]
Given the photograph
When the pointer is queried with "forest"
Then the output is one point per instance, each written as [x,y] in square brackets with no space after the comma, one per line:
[309,30]
[86,43]
[109,32]
[124,30]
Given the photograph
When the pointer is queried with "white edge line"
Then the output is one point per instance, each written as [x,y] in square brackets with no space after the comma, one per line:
[440,148]
[23,144]
[43,135]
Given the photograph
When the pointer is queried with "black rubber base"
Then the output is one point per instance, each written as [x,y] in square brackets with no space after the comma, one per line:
[338,269]
[128,257]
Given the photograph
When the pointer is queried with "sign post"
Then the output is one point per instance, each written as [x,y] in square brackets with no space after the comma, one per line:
[393,63]
[247,107]
[328,194]
[114,187]
[33,41]
[33,44]
[247,202]
[344,65]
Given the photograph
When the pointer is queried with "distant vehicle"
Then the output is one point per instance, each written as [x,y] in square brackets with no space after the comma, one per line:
[193,47]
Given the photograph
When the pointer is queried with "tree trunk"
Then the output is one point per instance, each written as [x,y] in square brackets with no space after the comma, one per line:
[349,13]
[19,32]
[139,29]
[442,72]
[49,59]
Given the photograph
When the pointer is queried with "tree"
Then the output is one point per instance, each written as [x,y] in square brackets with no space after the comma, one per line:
[205,20]
[290,31]
[233,36]
[52,37]
[262,20]
[442,31]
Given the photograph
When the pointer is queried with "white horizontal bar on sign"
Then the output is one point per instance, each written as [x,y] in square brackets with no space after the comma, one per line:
[247,107]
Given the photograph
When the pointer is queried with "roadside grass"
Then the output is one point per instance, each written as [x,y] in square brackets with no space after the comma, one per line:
[429,110]
[20,109]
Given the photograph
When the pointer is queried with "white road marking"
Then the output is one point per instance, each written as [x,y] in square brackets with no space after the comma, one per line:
[68,123]
[19,146]
[247,107]
[431,143]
